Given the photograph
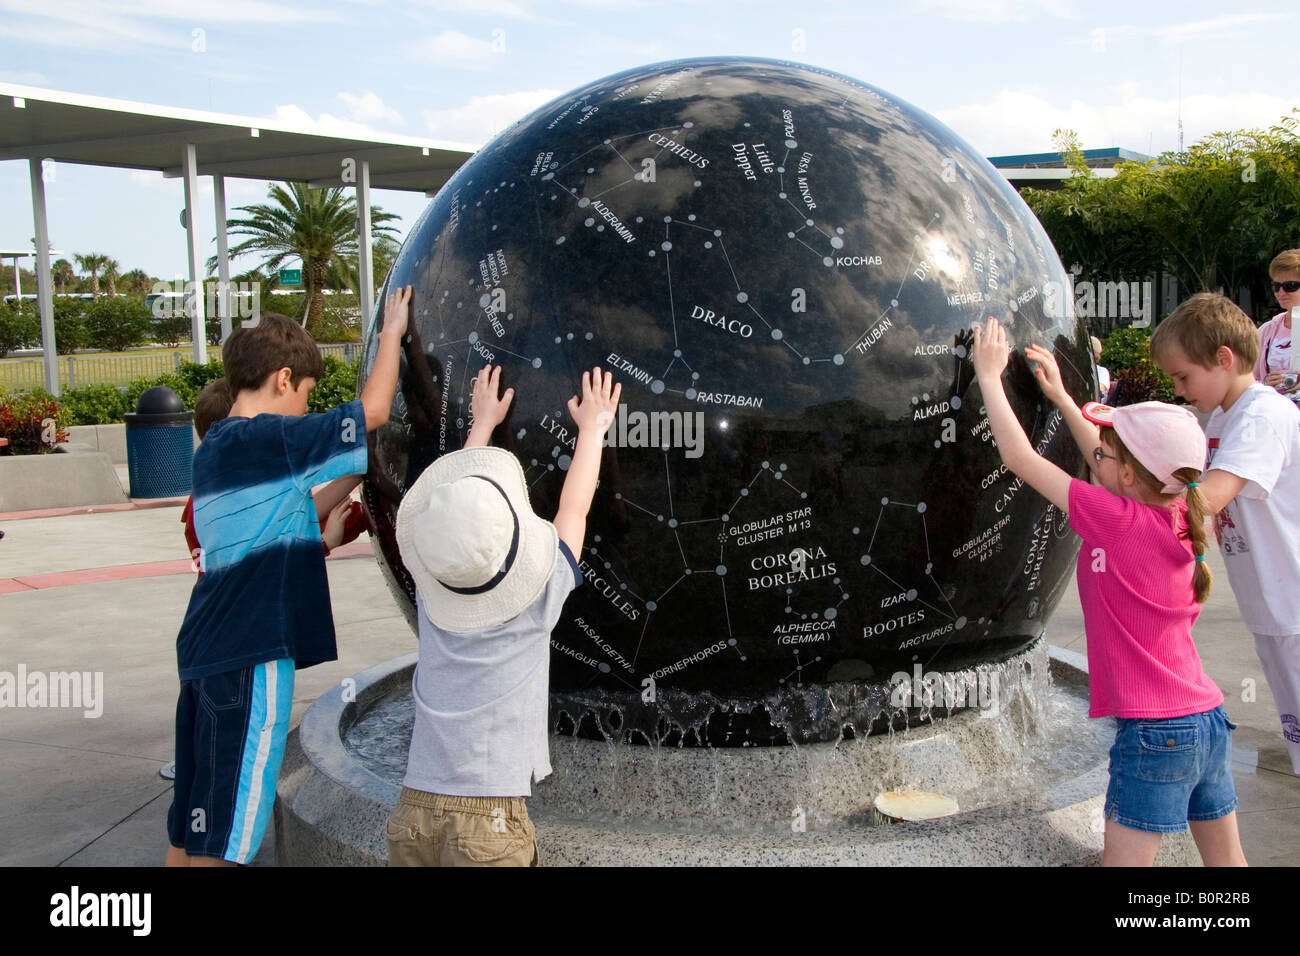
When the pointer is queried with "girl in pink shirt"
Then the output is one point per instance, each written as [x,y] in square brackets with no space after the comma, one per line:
[1142,580]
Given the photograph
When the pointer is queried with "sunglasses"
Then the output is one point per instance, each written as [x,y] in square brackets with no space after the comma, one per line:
[1291,286]
[1098,455]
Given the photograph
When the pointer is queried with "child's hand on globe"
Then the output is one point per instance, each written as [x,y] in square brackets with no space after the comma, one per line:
[397,311]
[485,407]
[1048,374]
[990,350]
[599,402]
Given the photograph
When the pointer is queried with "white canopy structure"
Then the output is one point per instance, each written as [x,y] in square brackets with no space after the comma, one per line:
[38,125]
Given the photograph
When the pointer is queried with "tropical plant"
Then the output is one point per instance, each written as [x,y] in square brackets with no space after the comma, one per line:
[92,262]
[316,227]
[63,275]
[110,275]
[137,282]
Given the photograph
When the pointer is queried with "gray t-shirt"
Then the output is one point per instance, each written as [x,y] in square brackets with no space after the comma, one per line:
[481,699]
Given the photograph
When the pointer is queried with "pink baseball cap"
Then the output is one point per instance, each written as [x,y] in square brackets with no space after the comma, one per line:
[1163,437]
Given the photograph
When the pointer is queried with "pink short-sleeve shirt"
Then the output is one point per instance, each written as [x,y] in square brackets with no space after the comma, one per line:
[1135,586]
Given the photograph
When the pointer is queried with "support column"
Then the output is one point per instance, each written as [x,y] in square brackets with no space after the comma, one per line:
[44,293]
[223,256]
[194,295]
[365,254]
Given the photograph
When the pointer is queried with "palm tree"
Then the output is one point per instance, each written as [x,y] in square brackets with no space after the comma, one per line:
[92,262]
[315,226]
[110,275]
[137,282]
[63,275]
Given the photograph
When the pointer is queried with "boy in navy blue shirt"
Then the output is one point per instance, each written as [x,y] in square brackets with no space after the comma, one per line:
[261,608]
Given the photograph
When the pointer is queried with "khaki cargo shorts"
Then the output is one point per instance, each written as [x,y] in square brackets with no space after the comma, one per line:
[433,829]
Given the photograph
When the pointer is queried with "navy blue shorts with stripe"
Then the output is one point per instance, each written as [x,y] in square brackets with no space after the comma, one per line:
[230,734]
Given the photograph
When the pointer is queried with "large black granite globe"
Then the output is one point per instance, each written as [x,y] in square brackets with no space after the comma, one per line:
[781,265]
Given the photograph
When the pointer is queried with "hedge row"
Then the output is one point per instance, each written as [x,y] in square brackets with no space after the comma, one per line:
[106,404]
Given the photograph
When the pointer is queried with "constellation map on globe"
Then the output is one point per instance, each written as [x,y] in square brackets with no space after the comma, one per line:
[724,260]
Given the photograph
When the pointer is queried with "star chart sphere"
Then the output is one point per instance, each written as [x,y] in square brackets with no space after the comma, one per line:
[800,491]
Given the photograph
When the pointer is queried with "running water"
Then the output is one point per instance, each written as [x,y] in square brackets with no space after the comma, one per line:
[1017,737]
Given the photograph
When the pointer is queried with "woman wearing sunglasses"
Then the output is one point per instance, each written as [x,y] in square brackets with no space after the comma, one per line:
[1275,365]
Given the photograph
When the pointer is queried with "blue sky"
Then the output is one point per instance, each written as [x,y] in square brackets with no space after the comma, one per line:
[1002,73]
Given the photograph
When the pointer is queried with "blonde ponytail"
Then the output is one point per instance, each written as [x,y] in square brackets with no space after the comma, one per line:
[1197,510]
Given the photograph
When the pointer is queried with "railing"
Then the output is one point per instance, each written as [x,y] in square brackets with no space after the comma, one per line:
[76,371]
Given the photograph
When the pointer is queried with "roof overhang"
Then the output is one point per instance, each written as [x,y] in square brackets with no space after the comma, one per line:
[97,131]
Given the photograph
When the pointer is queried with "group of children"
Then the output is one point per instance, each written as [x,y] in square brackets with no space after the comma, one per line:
[485,566]
[491,579]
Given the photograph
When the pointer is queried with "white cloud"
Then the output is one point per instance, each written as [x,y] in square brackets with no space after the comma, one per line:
[997,10]
[197,12]
[484,116]
[368,107]
[451,45]
[1217,27]
[1021,121]
[503,9]
[118,25]
[296,117]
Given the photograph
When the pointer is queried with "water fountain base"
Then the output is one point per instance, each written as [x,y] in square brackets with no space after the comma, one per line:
[1025,798]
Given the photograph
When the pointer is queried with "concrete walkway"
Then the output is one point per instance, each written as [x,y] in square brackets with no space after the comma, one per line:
[105,592]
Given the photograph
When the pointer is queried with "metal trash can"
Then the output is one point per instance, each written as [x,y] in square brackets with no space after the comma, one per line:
[160,446]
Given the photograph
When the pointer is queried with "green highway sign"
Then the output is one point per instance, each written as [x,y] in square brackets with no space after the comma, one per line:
[290,277]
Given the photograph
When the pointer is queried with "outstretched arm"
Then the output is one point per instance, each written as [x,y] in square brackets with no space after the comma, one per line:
[990,356]
[1048,374]
[1219,487]
[487,410]
[593,415]
[377,396]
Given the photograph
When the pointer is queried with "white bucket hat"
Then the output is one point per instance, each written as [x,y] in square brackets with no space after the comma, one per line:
[475,548]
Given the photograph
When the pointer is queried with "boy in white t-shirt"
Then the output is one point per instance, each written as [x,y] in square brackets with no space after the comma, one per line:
[1252,481]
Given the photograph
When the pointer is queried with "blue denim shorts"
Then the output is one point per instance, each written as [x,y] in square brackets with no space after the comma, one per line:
[1164,773]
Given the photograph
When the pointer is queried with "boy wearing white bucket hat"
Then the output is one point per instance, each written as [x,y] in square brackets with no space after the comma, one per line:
[491,578]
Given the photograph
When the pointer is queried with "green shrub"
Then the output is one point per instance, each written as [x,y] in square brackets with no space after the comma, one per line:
[187,381]
[32,421]
[337,385]
[139,386]
[1142,382]
[1125,347]
[19,328]
[340,320]
[290,305]
[94,405]
[170,330]
[196,377]
[70,331]
[116,324]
